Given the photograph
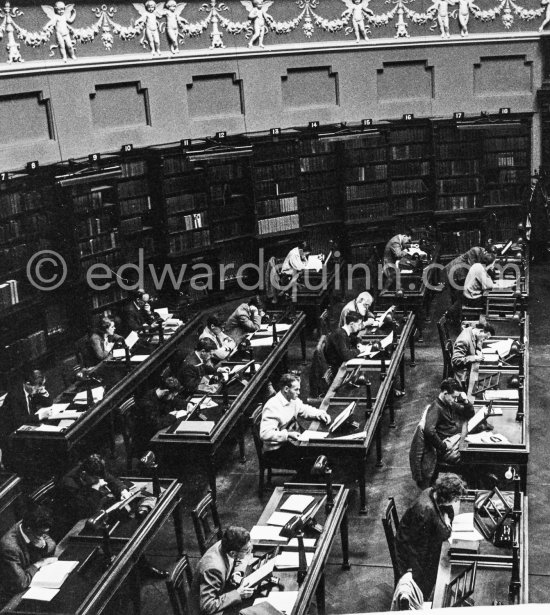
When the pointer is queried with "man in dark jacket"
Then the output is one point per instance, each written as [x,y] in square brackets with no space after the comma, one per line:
[445,417]
[196,366]
[423,529]
[341,344]
[467,349]
[24,549]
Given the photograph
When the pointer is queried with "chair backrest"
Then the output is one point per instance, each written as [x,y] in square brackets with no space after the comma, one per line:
[256,420]
[207,523]
[127,420]
[84,353]
[324,323]
[390,521]
[179,586]
[319,366]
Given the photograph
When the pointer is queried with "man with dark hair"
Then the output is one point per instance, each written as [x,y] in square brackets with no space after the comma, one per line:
[217,584]
[196,366]
[445,417]
[21,404]
[423,529]
[341,343]
[246,318]
[467,349]
[279,427]
[457,270]
[478,282]
[394,250]
[137,312]
[152,412]
[24,549]
[214,332]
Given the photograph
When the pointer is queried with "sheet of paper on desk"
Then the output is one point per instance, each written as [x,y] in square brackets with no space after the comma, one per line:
[138,358]
[500,347]
[40,593]
[500,284]
[464,529]
[257,342]
[289,560]
[487,437]
[118,353]
[282,601]
[490,357]
[365,350]
[62,413]
[311,434]
[509,394]
[360,435]
[173,322]
[131,339]
[52,576]
[280,518]
[314,262]
[179,414]
[380,319]
[387,340]
[364,362]
[267,533]
[82,396]
[207,402]
[163,313]
[199,427]
[297,503]
[46,427]
[65,423]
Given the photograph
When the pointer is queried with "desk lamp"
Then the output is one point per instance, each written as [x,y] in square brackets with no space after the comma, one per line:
[88,380]
[149,462]
[295,529]
[100,522]
[321,468]
[520,412]
[512,474]
[368,390]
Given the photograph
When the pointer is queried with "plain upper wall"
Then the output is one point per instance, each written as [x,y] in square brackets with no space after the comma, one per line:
[52,111]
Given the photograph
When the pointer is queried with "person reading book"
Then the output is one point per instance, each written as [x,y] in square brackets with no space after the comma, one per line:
[361,304]
[279,427]
[214,331]
[342,344]
[295,263]
[217,583]
[24,549]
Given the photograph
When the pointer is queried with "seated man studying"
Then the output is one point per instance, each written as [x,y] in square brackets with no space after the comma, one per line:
[279,427]
[467,349]
[342,344]
[216,584]
[197,366]
[24,549]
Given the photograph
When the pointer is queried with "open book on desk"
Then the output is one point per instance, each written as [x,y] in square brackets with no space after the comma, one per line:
[46,582]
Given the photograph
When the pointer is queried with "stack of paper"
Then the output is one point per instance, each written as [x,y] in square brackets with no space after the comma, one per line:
[314,262]
[311,434]
[464,535]
[501,394]
[119,353]
[138,358]
[59,411]
[502,284]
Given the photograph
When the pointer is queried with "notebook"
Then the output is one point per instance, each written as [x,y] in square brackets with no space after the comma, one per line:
[297,503]
[267,533]
[289,560]
[280,518]
[52,576]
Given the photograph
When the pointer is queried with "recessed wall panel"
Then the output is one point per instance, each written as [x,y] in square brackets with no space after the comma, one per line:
[398,81]
[25,118]
[119,105]
[211,96]
[309,88]
[503,75]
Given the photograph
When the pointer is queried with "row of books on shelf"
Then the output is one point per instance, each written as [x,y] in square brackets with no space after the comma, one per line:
[236,205]
[366,191]
[406,152]
[19,227]
[464,184]
[407,186]
[93,226]
[368,211]
[499,196]
[320,214]
[412,133]
[130,250]
[458,242]
[272,207]
[13,203]
[463,201]
[325,197]
[9,295]
[186,202]
[469,150]
[270,187]
[27,348]
[228,171]
[498,144]
[319,181]
[132,207]
[264,152]
[179,244]
[133,187]
[458,167]
[317,146]
[366,173]
[185,183]
[230,228]
[278,170]
[317,163]
[410,168]
[131,225]
[16,256]
[187,222]
[95,199]
[113,294]
[361,156]
[133,168]
[178,163]
[507,159]
[278,225]
[109,241]
[111,259]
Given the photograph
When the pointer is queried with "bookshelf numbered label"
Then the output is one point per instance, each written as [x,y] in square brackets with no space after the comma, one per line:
[458,115]
[274,132]
[504,111]
[185,142]
[314,124]
[367,122]
[221,135]
[32,166]
[94,157]
[4,176]
[126,149]
[408,116]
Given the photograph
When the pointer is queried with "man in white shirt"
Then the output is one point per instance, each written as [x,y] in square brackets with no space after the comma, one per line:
[279,427]
[296,260]
[478,282]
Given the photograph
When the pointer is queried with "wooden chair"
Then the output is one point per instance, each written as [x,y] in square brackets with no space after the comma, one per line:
[324,323]
[256,420]
[126,418]
[318,384]
[446,346]
[207,523]
[390,521]
[179,586]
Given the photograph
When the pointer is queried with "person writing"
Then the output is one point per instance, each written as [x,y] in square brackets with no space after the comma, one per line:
[457,270]
[24,549]
[361,304]
[279,427]
[467,349]
[294,263]
[394,250]
[445,417]
[103,340]
[341,344]
[478,281]
[247,318]
[214,331]
[197,367]
[424,528]
[217,580]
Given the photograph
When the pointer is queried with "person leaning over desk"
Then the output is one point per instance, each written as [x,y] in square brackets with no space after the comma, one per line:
[24,549]
[341,344]
[217,580]
[467,349]
[197,366]
[246,318]
[294,263]
[214,331]
[361,304]
[394,250]
[424,528]
[279,426]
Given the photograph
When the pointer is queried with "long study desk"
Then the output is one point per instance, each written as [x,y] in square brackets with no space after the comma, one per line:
[331,521]
[46,452]
[92,585]
[502,572]
[10,490]
[202,446]
[378,378]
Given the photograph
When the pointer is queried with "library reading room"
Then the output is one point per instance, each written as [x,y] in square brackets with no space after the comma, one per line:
[273,277]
